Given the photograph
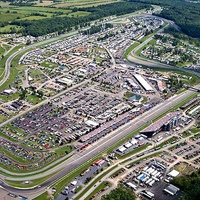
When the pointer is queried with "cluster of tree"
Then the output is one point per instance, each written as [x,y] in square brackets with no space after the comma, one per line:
[25,92]
[190,185]
[38,14]
[97,29]
[164,39]
[181,36]
[2,24]
[49,25]
[21,3]
[118,8]
[185,14]
[120,193]
[175,83]
[148,32]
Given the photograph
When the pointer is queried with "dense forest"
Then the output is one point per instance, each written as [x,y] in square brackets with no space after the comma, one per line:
[185,14]
[120,193]
[190,185]
[45,26]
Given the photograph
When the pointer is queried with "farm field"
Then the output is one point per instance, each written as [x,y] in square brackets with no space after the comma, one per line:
[9,13]
[76,3]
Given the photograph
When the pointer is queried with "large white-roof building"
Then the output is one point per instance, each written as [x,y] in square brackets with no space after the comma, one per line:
[143,82]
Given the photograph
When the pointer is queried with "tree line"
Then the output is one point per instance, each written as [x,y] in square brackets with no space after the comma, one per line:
[190,185]
[185,14]
[59,24]
[120,193]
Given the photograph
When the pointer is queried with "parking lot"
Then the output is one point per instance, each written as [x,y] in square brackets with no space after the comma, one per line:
[5,195]
[159,194]
[83,179]
[187,150]
[151,178]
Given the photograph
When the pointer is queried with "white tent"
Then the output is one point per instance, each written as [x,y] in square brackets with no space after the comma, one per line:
[173,173]
[121,149]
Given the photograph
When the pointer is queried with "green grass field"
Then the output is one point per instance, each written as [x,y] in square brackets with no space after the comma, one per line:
[48,64]
[82,3]
[34,99]
[8,28]
[9,13]
[32,183]
[13,74]
[2,50]
[64,150]
[43,196]
[129,49]
[6,47]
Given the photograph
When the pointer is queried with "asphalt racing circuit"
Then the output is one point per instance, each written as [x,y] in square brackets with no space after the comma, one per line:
[80,158]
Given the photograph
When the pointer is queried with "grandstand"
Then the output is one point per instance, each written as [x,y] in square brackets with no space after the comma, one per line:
[196,99]
[166,123]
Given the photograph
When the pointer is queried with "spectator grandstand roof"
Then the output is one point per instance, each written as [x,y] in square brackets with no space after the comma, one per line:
[158,124]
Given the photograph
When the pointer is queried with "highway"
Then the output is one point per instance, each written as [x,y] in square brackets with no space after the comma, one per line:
[80,158]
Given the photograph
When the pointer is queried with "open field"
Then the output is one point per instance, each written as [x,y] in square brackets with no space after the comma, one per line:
[8,28]
[31,184]
[10,13]
[76,3]
[183,168]
[2,50]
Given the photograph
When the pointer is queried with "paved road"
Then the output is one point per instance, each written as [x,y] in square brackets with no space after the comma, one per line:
[9,60]
[104,143]
[43,102]
[131,159]
[133,58]
[153,64]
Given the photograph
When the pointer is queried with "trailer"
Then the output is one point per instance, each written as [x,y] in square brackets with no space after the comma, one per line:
[145,179]
[153,173]
[148,181]
[148,194]
[156,179]
[159,165]
[159,139]
[147,171]
[157,174]
[131,185]
[151,183]
[145,168]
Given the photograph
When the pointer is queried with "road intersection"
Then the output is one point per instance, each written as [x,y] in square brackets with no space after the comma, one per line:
[79,158]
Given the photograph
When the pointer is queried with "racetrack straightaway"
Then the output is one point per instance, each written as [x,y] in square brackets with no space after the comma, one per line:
[93,150]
